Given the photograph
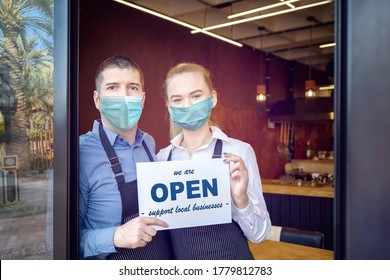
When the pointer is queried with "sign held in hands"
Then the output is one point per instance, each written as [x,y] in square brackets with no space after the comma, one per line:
[185,193]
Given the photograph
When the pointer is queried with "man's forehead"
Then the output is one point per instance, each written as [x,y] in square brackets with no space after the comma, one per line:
[115,72]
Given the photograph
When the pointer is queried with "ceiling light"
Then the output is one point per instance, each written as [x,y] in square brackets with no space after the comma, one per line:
[310,84]
[330,87]
[260,16]
[261,93]
[288,3]
[262,9]
[182,23]
[327,45]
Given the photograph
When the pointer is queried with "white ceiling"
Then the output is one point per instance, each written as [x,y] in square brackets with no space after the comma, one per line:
[286,35]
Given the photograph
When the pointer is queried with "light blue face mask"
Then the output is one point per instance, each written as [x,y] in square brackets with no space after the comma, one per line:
[192,117]
[121,112]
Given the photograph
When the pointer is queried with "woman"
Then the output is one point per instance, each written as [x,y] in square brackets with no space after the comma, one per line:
[190,98]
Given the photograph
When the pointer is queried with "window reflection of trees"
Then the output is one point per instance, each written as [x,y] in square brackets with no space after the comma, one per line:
[27,50]
[26,129]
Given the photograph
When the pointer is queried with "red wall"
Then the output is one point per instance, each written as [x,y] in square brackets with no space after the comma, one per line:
[108,28]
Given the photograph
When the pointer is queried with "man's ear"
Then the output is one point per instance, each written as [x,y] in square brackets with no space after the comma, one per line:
[143,100]
[214,97]
[96,100]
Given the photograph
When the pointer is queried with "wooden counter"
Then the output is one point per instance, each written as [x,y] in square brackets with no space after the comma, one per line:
[275,187]
[275,250]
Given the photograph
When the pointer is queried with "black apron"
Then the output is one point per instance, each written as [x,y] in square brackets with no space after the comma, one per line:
[160,247]
[213,242]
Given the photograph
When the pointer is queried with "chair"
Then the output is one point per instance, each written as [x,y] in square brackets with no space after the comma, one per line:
[297,236]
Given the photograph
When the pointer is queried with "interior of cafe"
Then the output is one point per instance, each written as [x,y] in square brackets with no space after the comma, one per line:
[275,88]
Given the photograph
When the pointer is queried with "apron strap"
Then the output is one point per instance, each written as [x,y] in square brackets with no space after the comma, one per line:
[113,159]
[170,155]
[218,149]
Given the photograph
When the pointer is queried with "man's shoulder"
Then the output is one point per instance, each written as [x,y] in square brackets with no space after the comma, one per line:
[149,140]
[88,139]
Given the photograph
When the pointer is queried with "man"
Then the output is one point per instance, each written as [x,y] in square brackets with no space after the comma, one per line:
[109,225]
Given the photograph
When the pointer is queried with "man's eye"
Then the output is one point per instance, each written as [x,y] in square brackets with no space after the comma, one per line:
[111,88]
[134,88]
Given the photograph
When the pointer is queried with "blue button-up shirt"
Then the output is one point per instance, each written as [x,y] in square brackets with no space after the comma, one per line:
[100,205]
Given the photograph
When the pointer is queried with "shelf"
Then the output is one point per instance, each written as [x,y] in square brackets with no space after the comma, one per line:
[275,187]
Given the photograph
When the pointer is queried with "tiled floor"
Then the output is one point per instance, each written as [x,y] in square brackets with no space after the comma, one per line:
[26,228]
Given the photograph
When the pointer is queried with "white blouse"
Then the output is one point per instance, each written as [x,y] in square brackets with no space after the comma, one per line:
[254,219]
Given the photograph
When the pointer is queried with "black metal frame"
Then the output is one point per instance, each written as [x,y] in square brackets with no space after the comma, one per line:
[65,167]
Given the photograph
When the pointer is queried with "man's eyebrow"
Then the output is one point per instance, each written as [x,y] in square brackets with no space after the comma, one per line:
[135,84]
[110,83]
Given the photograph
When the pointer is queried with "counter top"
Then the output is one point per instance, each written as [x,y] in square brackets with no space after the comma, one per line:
[276,250]
[275,187]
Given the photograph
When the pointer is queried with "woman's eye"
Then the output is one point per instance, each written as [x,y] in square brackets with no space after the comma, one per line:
[196,96]
[176,100]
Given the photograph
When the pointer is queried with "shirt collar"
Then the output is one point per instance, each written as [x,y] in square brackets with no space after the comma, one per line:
[112,136]
[216,134]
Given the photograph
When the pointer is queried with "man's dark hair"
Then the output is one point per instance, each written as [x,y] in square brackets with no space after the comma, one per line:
[121,62]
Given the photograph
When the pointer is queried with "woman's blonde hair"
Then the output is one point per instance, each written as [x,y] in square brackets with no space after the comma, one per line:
[187,67]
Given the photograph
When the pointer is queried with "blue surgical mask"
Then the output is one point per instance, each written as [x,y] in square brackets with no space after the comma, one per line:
[121,112]
[192,117]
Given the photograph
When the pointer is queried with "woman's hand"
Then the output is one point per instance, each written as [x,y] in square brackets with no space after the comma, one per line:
[238,180]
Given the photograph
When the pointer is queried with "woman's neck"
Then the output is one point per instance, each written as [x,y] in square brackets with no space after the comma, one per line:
[193,140]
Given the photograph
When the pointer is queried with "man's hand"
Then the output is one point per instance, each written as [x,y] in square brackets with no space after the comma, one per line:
[137,232]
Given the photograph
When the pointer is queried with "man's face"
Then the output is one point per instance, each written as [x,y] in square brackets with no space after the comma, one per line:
[119,82]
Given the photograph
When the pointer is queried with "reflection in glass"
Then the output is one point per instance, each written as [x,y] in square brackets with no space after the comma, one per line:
[26,129]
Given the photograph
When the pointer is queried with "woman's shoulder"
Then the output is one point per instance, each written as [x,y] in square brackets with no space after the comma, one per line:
[163,154]
[237,145]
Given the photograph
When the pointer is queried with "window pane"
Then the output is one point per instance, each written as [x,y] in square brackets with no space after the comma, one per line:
[26,130]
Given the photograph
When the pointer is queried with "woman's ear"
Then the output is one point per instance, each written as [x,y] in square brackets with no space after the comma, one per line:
[215,98]
[96,99]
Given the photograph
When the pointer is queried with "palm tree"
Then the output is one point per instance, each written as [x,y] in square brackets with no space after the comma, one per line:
[17,17]
[38,87]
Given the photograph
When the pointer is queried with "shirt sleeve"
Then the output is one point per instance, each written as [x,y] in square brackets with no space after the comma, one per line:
[254,220]
[93,243]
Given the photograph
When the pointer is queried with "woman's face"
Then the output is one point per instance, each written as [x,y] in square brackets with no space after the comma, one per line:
[186,89]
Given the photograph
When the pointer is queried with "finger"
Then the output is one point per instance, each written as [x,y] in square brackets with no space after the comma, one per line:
[146,237]
[236,175]
[149,231]
[141,243]
[231,157]
[154,221]
[238,166]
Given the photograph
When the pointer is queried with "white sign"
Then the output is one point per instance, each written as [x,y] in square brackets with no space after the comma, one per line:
[185,193]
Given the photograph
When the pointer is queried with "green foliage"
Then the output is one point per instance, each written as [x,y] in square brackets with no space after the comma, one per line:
[18,20]
[2,130]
